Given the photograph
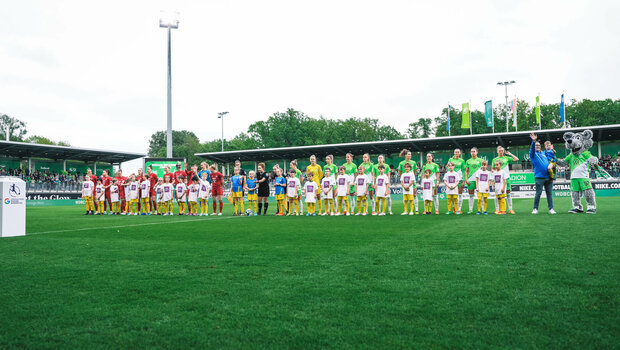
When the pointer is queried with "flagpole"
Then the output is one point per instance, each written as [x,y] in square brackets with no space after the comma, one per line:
[449,119]
[514,113]
[470,119]
[492,120]
[564,108]
[539,116]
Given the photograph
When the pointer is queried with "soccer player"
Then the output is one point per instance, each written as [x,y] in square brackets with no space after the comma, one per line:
[138,178]
[192,197]
[369,171]
[483,184]
[351,170]
[361,190]
[177,173]
[451,180]
[217,188]
[251,185]
[414,169]
[505,158]
[318,176]
[292,191]
[327,192]
[181,193]
[434,168]
[293,165]
[329,164]
[280,190]
[203,194]
[388,170]
[244,178]
[236,189]
[407,181]
[383,188]
[471,166]
[153,181]
[126,188]
[134,194]
[428,185]
[204,169]
[262,178]
[499,184]
[168,193]
[310,190]
[145,195]
[88,188]
[92,178]
[159,196]
[459,167]
[343,183]
[106,181]
[114,197]
[100,197]
[120,181]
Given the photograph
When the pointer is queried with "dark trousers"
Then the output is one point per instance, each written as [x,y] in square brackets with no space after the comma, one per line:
[546,184]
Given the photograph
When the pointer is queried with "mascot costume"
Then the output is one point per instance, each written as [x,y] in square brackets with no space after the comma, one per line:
[579,161]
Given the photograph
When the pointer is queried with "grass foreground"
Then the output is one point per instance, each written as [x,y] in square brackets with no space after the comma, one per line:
[512,281]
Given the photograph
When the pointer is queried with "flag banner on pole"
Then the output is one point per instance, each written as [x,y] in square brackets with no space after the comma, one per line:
[448,125]
[562,110]
[465,122]
[514,112]
[537,109]
[488,113]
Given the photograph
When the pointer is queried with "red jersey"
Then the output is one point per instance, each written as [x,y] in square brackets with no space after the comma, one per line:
[153,179]
[217,179]
[176,174]
[120,180]
[106,181]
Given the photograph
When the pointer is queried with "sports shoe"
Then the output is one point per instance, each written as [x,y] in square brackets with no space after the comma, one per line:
[411,213]
[459,213]
[347,214]
[470,212]
[436,212]
[86,213]
[391,213]
[256,214]
[575,211]
[478,213]
[404,213]
[307,214]
[313,214]
[501,213]
[511,212]
[416,212]
[485,213]
[591,211]
[206,214]
[219,214]
[381,214]
[374,213]
[364,214]
[448,213]
[357,214]
[332,214]
[496,212]
[551,211]
[337,214]
[535,211]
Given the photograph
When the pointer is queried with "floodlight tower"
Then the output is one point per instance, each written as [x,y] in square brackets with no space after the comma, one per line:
[506,83]
[169,20]
[221,115]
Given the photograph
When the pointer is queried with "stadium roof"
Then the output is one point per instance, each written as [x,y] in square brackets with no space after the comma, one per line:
[34,150]
[601,133]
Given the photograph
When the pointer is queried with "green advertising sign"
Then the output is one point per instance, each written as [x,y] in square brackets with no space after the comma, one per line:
[159,164]
[522,178]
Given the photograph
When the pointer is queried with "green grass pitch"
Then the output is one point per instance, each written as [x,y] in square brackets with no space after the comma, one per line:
[513,281]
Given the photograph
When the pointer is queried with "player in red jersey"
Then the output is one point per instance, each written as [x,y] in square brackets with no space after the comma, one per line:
[106,181]
[169,174]
[120,180]
[153,180]
[93,178]
[217,188]
[178,172]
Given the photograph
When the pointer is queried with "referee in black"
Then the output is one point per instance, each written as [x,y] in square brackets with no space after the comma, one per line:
[263,188]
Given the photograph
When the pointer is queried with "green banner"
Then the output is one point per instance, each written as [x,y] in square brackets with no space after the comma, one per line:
[465,123]
[522,178]
[53,202]
[488,113]
[537,109]
[159,164]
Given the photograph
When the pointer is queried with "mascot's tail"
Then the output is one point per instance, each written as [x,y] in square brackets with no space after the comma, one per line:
[600,172]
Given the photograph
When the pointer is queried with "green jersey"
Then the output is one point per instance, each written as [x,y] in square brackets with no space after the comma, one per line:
[579,166]
[333,170]
[434,168]
[505,160]
[473,164]
[350,169]
[376,170]
[459,164]
[368,169]
[414,166]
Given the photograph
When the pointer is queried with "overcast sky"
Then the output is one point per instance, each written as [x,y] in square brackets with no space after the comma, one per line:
[94,74]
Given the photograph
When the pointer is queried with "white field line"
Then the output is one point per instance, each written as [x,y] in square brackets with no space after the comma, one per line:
[134,225]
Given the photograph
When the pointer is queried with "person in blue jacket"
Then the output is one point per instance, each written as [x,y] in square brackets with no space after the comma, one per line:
[540,162]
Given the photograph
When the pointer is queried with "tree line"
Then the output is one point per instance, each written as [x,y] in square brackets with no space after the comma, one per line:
[294,128]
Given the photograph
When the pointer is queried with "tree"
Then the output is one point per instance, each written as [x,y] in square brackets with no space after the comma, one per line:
[17,128]
[45,141]
[423,128]
[184,145]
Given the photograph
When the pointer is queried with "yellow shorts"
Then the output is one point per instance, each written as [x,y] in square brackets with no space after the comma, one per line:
[253,197]
[361,198]
[452,195]
[407,197]
[280,197]
[238,194]
[500,196]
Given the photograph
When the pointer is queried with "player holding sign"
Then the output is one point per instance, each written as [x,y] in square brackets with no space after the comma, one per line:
[428,190]
[483,184]
[452,179]
[327,192]
[361,190]
[383,188]
[499,184]
[343,183]
[471,166]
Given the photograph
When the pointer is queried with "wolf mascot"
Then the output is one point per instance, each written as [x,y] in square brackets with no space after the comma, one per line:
[579,161]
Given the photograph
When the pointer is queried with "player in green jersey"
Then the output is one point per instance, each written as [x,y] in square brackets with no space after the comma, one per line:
[471,166]
[351,170]
[459,166]
[293,165]
[505,158]
[414,168]
[434,169]
[370,174]
[376,172]
[329,164]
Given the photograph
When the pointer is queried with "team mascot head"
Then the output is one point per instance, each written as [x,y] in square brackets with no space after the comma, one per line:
[579,161]
[578,142]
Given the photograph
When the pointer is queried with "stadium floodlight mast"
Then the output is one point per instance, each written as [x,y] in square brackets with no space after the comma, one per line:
[169,20]
[506,83]
[221,115]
